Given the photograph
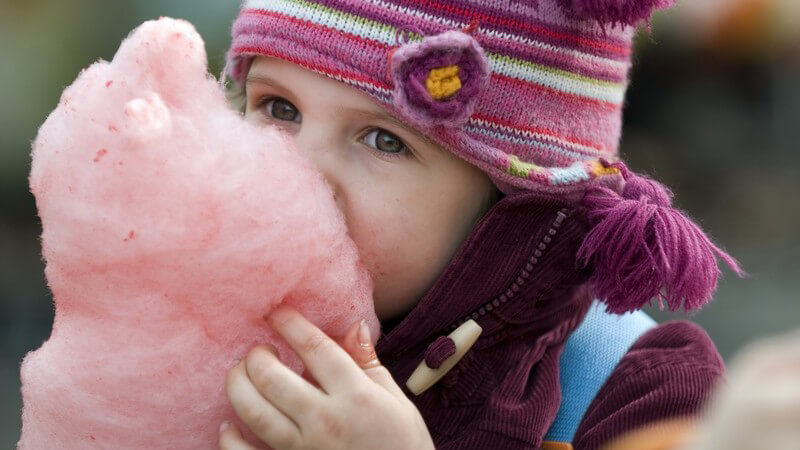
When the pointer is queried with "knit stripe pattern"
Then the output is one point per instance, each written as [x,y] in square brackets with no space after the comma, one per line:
[553,104]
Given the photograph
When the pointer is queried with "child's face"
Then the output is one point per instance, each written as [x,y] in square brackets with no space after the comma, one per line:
[408,203]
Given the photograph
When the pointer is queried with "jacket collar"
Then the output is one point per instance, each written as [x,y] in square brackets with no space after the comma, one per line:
[514,273]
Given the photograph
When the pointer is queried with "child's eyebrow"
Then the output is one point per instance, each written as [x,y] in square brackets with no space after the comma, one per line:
[380,115]
[366,114]
[262,79]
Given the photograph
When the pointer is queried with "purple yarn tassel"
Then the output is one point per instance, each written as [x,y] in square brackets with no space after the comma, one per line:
[641,248]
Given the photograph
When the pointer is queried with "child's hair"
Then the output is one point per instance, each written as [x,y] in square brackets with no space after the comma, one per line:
[532,94]
[235,92]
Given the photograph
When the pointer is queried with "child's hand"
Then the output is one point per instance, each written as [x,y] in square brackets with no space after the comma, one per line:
[357,406]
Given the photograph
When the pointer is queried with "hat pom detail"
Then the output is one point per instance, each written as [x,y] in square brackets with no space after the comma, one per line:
[438,81]
[641,248]
[613,12]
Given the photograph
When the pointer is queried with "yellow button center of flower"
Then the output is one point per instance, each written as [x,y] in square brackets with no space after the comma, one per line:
[443,82]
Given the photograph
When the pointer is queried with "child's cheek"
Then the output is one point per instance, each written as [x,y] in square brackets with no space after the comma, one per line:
[375,237]
[389,249]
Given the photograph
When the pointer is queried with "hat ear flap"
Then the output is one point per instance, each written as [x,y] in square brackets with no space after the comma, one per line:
[613,12]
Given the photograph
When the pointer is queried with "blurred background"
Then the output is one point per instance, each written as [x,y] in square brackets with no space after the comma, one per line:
[713,111]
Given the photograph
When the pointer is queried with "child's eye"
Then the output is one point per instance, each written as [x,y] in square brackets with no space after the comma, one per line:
[385,142]
[280,108]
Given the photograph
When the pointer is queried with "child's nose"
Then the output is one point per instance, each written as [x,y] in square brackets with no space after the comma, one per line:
[321,150]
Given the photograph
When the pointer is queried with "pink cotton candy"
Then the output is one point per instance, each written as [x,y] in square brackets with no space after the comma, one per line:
[170,227]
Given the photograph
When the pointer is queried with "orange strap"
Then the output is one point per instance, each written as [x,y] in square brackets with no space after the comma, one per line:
[664,435]
[553,445]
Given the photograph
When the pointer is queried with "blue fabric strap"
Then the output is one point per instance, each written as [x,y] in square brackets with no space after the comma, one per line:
[590,355]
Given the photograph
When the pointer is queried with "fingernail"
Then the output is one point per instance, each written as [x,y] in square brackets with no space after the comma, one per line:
[224,426]
[363,334]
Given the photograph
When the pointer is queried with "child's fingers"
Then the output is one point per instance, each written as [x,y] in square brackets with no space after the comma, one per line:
[263,419]
[279,385]
[358,344]
[231,439]
[363,355]
[325,360]
[381,376]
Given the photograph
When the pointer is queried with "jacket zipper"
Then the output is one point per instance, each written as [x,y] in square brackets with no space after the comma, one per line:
[524,274]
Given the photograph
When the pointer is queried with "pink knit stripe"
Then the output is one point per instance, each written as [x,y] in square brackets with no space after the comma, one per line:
[283,49]
[249,20]
[596,123]
[567,136]
[526,151]
[553,59]
[258,20]
[545,12]
[579,101]
[533,143]
[369,61]
[590,43]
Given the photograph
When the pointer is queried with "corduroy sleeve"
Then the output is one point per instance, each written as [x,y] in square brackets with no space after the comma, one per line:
[668,372]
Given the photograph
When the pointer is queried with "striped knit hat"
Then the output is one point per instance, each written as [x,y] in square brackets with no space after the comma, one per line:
[530,91]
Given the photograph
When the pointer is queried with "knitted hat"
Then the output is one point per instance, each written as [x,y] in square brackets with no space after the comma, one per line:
[530,91]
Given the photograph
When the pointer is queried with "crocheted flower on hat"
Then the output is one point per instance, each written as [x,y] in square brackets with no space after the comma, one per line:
[438,81]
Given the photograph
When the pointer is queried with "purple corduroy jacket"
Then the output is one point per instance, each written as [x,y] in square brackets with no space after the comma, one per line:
[516,274]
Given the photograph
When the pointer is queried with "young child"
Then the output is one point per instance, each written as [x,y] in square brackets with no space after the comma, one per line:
[472,147]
